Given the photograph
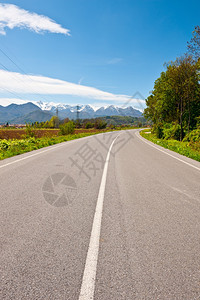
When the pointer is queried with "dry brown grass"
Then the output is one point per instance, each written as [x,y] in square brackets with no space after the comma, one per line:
[39,133]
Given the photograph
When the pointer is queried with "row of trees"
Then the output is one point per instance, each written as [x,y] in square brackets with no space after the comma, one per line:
[97,123]
[69,127]
[175,99]
[55,122]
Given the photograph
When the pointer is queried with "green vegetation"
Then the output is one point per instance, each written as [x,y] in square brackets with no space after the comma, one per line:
[89,125]
[174,105]
[54,122]
[29,131]
[187,147]
[100,124]
[67,128]
[194,44]
[97,123]
[10,148]
[114,121]
[175,100]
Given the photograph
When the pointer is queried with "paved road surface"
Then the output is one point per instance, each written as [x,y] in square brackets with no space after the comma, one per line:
[143,242]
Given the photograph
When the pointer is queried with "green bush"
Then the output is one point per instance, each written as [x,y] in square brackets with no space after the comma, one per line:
[89,125]
[198,122]
[158,130]
[100,124]
[193,136]
[67,128]
[111,126]
[172,131]
[29,131]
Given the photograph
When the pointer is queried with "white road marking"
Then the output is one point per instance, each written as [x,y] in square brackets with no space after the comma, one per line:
[43,151]
[143,139]
[89,275]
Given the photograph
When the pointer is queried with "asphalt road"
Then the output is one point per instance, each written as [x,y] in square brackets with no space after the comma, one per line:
[93,219]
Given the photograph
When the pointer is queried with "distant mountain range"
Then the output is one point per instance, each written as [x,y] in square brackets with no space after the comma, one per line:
[41,112]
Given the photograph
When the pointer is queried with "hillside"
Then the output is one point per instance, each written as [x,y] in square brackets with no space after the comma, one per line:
[35,116]
[16,111]
[41,112]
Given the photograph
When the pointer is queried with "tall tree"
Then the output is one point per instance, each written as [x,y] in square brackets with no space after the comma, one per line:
[176,95]
[194,44]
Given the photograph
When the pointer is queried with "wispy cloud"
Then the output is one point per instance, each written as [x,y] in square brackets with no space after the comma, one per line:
[80,80]
[114,61]
[32,84]
[12,16]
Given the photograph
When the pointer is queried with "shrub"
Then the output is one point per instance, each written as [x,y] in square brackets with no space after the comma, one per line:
[111,126]
[54,122]
[89,125]
[4,145]
[193,136]
[172,131]
[158,130]
[100,124]
[67,128]
[198,122]
[29,131]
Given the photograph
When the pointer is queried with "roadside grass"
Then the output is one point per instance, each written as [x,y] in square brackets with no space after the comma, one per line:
[12,147]
[9,148]
[189,149]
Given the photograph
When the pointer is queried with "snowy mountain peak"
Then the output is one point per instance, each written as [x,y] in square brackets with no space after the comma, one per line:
[51,106]
[85,111]
[87,108]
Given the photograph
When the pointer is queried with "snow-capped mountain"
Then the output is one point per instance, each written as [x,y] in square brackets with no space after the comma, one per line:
[110,110]
[41,111]
[51,105]
[87,111]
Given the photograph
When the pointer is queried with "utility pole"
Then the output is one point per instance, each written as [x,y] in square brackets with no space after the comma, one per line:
[77,116]
[77,112]
[57,120]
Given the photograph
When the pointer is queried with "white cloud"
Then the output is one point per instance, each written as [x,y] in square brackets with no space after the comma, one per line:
[12,16]
[8,101]
[32,84]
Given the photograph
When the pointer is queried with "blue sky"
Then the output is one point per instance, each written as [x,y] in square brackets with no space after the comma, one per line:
[115,48]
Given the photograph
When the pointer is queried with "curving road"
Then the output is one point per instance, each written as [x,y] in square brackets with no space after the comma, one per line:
[110,216]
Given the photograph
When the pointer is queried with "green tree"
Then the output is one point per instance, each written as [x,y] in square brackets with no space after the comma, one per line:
[54,122]
[29,131]
[194,44]
[67,128]
[176,96]
[89,125]
[100,124]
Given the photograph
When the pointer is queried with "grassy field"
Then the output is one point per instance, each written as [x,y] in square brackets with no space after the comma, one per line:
[12,147]
[189,149]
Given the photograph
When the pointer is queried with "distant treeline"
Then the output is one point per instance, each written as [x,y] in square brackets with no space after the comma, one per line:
[117,121]
[174,104]
[97,123]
